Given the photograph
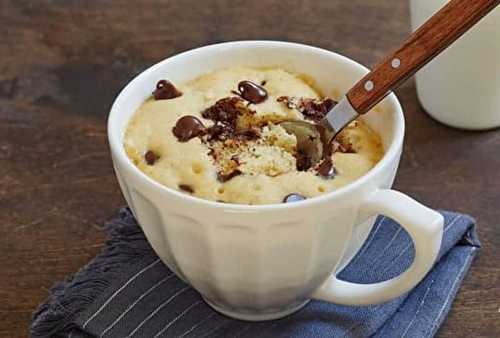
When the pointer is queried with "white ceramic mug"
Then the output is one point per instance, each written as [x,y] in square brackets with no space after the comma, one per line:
[259,262]
[461,86]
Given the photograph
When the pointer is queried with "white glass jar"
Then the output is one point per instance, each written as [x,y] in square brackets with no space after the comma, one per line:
[461,87]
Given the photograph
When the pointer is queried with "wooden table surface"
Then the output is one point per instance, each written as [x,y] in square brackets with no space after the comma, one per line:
[63,62]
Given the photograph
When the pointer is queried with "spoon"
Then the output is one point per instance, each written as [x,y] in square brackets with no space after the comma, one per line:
[436,34]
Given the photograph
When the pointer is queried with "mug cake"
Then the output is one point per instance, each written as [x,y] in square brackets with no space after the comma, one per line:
[218,137]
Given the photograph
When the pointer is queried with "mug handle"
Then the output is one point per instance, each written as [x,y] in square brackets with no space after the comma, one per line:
[425,227]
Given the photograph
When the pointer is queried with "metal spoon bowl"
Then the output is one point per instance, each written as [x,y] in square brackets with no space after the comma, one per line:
[308,138]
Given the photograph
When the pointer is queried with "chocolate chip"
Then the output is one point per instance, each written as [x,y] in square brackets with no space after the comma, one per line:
[326,168]
[293,198]
[224,177]
[151,157]
[251,92]
[188,127]
[263,83]
[165,90]
[186,188]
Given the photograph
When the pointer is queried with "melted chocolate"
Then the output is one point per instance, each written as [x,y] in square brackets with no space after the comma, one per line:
[224,177]
[326,168]
[151,157]
[312,109]
[225,113]
[303,161]
[293,198]
[188,127]
[165,90]
[186,188]
[225,110]
[251,92]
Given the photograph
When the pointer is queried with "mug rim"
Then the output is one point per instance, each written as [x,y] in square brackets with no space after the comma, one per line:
[119,154]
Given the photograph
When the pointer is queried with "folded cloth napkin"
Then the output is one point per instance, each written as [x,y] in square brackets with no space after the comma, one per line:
[128,292]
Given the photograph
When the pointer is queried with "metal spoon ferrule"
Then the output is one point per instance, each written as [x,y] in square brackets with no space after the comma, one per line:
[340,116]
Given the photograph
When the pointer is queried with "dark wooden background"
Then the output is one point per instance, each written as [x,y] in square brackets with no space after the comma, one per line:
[63,62]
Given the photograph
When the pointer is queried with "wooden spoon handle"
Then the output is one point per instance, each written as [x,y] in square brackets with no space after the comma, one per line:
[430,39]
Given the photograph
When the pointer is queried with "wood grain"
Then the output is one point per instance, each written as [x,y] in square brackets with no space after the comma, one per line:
[441,30]
[62,63]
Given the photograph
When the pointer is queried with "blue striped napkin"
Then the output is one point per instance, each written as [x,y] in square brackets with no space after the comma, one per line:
[128,292]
